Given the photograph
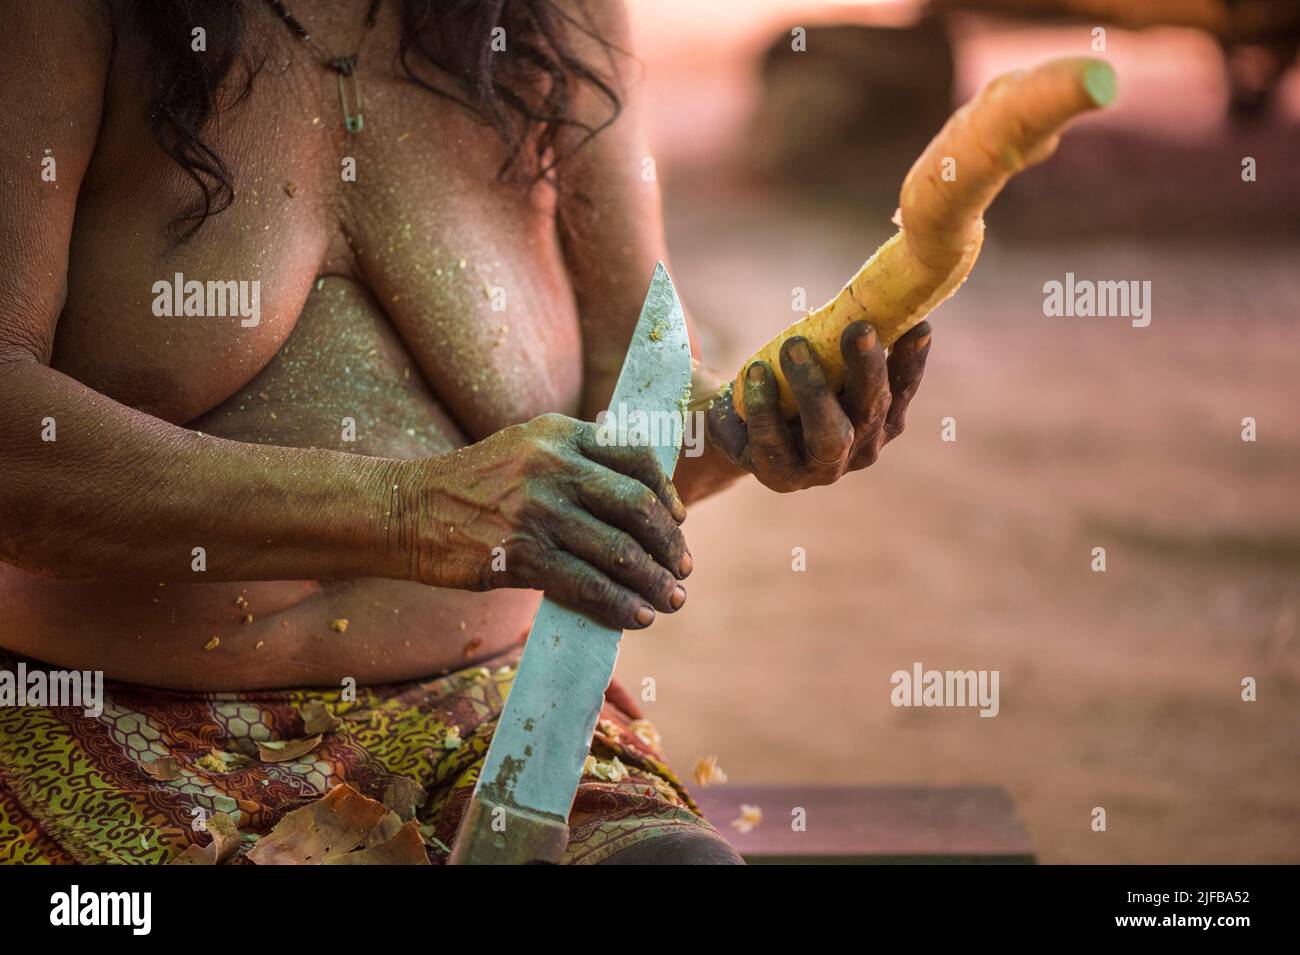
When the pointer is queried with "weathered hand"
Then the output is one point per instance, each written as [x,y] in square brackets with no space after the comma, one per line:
[546,505]
[833,434]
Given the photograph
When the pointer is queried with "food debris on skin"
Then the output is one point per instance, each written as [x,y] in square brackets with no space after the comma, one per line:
[750,817]
[707,772]
[212,644]
[340,625]
[471,647]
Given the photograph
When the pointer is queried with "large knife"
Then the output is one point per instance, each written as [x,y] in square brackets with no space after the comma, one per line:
[519,812]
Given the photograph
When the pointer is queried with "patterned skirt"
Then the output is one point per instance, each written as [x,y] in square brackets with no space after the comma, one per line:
[135,783]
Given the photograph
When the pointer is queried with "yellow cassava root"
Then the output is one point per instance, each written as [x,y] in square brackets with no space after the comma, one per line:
[1014,122]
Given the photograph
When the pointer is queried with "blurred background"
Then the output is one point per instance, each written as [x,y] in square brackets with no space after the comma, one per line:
[1119,689]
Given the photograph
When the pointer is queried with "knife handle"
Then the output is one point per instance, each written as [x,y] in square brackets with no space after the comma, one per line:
[495,834]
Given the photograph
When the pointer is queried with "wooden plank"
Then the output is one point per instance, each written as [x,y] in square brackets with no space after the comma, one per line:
[872,824]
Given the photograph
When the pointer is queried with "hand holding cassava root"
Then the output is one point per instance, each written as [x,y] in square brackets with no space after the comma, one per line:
[1014,122]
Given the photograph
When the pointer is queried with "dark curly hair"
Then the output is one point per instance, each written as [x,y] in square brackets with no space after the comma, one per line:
[525,95]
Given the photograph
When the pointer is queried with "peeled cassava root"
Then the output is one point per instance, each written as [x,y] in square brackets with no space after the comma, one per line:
[1014,122]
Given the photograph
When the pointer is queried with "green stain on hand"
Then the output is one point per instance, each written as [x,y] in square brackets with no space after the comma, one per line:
[1099,81]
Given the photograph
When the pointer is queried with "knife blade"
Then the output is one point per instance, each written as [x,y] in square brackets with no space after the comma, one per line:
[519,810]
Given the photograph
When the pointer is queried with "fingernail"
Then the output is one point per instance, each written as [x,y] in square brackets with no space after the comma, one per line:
[645,616]
[922,342]
[798,350]
[867,340]
[678,597]
[686,566]
[758,372]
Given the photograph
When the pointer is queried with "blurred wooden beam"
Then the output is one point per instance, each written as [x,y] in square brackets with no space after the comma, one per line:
[872,824]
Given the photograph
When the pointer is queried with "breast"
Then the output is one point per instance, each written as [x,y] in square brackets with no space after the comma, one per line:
[464,269]
[472,276]
[343,380]
[121,332]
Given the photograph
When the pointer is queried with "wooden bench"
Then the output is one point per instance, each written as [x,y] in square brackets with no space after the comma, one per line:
[872,824]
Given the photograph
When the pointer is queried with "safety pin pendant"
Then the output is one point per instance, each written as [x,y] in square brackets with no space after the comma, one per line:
[353,121]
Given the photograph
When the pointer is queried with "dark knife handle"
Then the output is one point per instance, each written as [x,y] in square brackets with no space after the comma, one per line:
[494,834]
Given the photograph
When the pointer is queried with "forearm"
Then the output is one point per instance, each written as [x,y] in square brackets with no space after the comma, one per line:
[120,495]
[699,475]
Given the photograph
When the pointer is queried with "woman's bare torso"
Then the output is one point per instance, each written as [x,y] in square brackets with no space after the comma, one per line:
[381,305]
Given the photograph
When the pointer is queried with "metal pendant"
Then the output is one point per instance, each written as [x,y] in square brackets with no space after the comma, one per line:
[349,92]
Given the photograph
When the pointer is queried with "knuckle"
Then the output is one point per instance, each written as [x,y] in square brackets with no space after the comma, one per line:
[622,551]
[594,591]
[884,401]
[646,505]
[676,541]
[662,586]
[543,454]
[533,508]
[643,455]
[763,434]
[840,437]
[520,563]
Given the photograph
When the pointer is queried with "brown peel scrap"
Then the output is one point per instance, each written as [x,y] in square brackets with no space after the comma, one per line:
[404,848]
[225,842]
[286,751]
[388,825]
[316,718]
[164,769]
[404,795]
[331,826]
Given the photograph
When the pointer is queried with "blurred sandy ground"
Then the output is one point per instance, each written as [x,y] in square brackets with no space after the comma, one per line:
[1120,689]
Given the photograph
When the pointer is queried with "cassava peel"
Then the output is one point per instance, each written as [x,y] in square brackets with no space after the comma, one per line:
[1014,122]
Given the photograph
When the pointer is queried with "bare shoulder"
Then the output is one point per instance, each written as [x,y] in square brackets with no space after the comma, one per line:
[54,60]
[63,46]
